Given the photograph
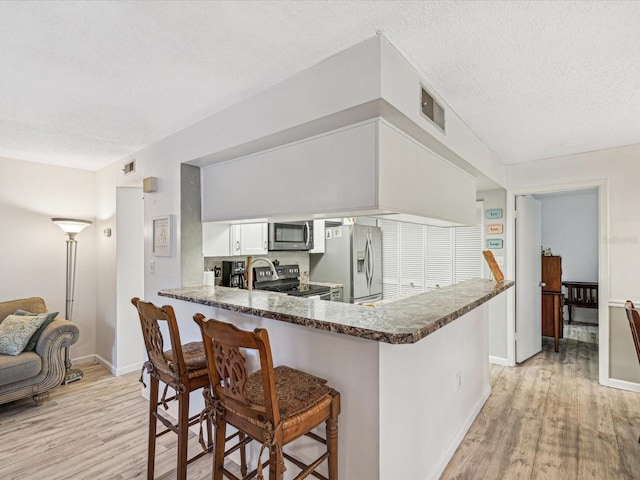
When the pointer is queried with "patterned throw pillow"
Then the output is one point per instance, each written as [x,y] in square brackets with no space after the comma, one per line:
[31,344]
[16,330]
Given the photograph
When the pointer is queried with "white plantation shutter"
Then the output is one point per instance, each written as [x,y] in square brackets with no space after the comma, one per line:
[439,257]
[468,259]
[390,258]
[412,267]
[417,258]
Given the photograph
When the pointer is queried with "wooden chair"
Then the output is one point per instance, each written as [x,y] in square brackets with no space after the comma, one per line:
[634,324]
[183,368]
[272,405]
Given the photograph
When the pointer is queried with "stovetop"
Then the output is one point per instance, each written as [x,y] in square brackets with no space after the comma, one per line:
[287,281]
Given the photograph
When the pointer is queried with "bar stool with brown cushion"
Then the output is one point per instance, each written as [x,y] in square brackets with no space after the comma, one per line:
[183,368]
[272,405]
[634,324]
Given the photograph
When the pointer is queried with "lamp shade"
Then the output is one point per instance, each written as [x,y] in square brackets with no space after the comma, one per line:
[71,225]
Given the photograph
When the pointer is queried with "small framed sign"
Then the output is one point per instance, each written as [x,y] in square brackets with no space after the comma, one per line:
[492,213]
[494,243]
[495,228]
[162,236]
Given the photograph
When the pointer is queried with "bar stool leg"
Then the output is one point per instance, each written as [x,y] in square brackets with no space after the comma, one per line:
[332,447]
[153,422]
[183,434]
[243,456]
[218,460]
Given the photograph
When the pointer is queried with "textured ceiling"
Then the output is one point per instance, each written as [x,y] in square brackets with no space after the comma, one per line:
[85,84]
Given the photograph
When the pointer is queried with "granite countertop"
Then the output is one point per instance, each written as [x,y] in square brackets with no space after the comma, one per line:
[406,320]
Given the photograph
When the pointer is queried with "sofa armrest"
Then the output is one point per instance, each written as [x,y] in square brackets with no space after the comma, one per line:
[50,336]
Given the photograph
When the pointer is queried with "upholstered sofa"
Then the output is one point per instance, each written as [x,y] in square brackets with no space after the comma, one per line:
[35,373]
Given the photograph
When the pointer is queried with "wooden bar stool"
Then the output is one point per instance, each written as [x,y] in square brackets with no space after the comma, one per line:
[183,368]
[634,324]
[272,405]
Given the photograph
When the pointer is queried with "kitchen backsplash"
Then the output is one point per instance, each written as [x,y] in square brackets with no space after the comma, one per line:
[285,258]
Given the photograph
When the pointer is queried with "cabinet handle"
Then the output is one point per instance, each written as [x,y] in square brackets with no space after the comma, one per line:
[265,245]
[237,245]
[411,283]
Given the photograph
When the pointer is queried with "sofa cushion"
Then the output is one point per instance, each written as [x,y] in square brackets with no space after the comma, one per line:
[31,344]
[32,304]
[16,330]
[19,367]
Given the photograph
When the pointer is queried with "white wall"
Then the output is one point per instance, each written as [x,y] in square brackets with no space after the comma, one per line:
[498,325]
[33,260]
[570,229]
[618,169]
[130,279]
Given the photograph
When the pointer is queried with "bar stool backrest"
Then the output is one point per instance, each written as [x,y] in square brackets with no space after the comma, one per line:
[225,346]
[634,324]
[169,370]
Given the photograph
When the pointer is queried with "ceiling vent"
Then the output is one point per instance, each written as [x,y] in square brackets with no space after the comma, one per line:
[431,109]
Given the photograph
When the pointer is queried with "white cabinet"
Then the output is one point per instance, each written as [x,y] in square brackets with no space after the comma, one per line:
[253,238]
[318,237]
[224,240]
[235,240]
[216,239]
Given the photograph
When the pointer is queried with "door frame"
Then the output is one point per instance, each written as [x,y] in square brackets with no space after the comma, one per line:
[602,186]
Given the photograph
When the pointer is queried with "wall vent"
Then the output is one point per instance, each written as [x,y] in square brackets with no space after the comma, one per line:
[431,109]
[129,167]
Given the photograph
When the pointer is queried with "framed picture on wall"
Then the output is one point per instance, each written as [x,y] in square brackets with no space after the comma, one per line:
[162,241]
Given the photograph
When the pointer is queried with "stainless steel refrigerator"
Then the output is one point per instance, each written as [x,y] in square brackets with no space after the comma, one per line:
[352,257]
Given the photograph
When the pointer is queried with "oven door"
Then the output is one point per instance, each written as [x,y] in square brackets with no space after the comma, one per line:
[321,296]
[291,236]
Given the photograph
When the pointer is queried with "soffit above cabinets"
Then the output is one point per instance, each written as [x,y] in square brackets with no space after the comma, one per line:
[370,168]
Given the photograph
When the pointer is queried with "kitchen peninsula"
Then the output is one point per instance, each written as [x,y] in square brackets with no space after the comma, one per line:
[413,372]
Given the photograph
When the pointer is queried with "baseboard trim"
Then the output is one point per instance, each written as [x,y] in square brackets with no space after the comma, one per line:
[117,371]
[106,364]
[86,359]
[134,367]
[453,446]
[500,361]
[624,385]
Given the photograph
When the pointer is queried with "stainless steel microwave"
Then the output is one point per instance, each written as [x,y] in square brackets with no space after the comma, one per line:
[291,236]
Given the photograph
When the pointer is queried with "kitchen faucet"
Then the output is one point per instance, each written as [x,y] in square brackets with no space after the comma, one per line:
[264,259]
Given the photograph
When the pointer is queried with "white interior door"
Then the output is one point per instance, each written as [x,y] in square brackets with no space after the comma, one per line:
[528,275]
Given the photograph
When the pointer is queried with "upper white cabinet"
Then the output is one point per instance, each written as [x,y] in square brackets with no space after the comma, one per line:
[369,168]
[253,238]
[223,240]
[216,239]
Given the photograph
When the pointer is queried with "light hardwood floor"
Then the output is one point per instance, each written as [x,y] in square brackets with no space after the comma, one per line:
[545,419]
[94,429]
[548,418]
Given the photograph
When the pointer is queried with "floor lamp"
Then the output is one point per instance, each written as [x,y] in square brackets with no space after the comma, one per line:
[70,226]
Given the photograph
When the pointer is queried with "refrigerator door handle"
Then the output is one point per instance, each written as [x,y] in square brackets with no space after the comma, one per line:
[373,260]
[369,260]
[366,260]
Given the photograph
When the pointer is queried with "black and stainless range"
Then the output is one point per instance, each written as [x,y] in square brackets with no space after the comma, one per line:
[288,282]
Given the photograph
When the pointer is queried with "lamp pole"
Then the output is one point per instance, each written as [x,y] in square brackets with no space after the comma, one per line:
[71,227]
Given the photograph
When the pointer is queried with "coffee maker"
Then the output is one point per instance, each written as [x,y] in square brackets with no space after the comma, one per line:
[233,273]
